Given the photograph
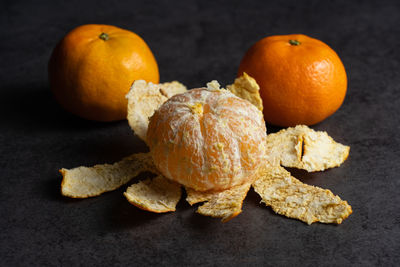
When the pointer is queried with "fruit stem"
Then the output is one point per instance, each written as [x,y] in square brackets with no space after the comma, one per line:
[294,42]
[104,36]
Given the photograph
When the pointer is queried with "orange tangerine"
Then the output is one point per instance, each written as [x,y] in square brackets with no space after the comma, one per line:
[208,139]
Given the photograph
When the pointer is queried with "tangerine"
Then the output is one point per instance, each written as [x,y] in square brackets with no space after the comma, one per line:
[302,80]
[208,139]
[92,67]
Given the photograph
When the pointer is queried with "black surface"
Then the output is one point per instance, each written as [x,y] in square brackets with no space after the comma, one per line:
[194,42]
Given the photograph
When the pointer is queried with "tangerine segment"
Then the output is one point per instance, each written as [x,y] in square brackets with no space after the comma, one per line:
[208,139]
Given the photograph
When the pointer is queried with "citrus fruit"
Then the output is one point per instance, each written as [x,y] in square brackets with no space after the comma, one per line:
[92,67]
[208,139]
[302,80]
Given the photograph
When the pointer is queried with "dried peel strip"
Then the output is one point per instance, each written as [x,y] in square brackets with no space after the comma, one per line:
[303,148]
[226,204]
[247,88]
[156,195]
[83,182]
[289,197]
[145,98]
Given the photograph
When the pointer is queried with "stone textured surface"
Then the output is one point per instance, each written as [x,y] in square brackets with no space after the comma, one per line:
[195,42]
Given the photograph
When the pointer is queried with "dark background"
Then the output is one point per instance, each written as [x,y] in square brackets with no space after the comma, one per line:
[194,42]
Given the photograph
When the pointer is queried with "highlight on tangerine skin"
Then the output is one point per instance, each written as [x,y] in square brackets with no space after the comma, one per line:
[208,139]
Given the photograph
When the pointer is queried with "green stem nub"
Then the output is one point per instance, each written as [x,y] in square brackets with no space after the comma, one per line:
[294,42]
[104,36]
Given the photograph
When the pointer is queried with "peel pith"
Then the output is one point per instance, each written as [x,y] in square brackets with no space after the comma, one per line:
[146,97]
[83,182]
[303,148]
[226,204]
[157,195]
[288,196]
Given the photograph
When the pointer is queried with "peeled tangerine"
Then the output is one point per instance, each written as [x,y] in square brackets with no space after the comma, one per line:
[208,139]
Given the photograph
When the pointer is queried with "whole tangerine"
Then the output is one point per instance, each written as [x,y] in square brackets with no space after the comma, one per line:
[92,67]
[208,139]
[302,80]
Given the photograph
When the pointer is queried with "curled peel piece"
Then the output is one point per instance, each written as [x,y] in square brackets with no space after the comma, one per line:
[289,197]
[226,204]
[303,148]
[145,98]
[156,195]
[83,182]
[214,85]
[247,88]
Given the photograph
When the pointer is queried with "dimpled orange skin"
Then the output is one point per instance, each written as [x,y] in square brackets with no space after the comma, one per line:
[91,73]
[300,83]
[208,139]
